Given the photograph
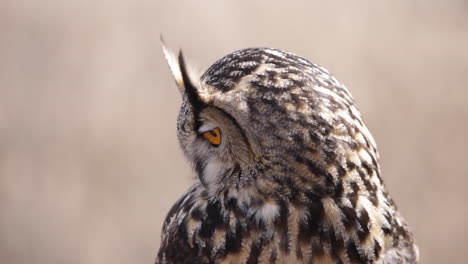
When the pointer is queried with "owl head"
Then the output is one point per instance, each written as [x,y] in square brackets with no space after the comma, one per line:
[262,120]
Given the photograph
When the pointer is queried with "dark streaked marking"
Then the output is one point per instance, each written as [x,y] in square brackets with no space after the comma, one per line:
[275,106]
[338,191]
[294,191]
[297,137]
[367,167]
[231,204]
[370,187]
[341,170]
[337,244]
[265,89]
[351,165]
[364,222]
[315,136]
[213,220]
[281,224]
[377,248]
[310,226]
[374,162]
[191,92]
[374,199]
[197,214]
[353,253]
[353,197]
[255,251]
[330,153]
[316,169]
[234,240]
[350,217]
[386,230]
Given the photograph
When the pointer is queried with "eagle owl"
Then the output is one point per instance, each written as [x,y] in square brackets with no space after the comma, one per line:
[287,170]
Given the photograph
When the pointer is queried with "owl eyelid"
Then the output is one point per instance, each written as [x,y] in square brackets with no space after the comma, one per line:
[206,127]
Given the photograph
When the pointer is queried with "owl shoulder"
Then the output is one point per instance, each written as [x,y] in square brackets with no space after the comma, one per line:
[175,247]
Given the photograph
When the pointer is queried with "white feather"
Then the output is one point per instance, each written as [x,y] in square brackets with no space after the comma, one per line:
[173,65]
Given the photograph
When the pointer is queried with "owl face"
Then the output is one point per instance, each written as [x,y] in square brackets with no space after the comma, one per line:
[210,137]
[214,143]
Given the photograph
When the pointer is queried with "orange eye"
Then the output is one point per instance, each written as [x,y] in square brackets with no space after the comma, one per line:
[213,136]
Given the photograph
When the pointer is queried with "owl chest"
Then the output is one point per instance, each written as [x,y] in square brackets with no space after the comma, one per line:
[268,237]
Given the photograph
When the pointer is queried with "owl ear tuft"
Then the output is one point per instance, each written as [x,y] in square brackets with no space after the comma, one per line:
[181,75]
[174,66]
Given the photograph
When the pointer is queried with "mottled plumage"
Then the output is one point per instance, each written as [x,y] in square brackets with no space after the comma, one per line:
[295,178]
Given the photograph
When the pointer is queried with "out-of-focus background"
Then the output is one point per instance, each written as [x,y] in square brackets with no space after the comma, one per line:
[89,160]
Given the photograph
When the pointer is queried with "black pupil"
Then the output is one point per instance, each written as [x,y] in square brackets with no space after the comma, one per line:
[213,133]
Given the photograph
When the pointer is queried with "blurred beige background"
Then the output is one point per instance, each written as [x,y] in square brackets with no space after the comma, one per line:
[89,161]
